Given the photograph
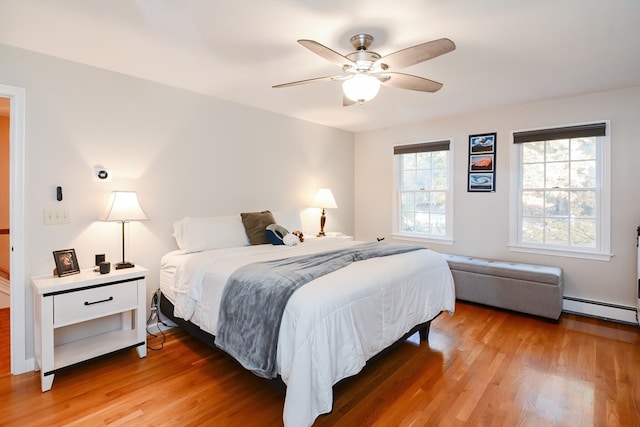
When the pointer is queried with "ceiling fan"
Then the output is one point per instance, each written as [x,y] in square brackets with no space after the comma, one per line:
[364,70]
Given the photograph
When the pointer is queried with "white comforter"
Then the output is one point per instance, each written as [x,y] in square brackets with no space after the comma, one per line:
[332,325]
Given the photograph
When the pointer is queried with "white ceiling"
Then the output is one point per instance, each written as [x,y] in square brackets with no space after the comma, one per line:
[508,52]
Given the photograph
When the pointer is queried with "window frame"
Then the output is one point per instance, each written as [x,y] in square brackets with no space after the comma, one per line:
[602,251]
[397,204]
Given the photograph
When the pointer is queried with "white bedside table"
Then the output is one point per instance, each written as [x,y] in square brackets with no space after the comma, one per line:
[68,312]
[335,236]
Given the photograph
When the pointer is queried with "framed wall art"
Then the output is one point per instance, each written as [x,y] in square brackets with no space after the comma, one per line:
[66,262]
[482,163]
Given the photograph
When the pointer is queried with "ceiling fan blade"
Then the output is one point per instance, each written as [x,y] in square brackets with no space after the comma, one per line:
[417,54]
[407,81]
[316,79]
[328,54]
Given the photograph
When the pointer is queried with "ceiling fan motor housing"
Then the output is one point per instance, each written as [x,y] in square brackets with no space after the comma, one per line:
[361,41]
[364,59]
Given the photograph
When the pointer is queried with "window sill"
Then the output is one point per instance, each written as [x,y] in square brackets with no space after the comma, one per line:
[598,256]
[421,239]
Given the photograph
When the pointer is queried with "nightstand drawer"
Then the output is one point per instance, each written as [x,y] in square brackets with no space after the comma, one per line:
[77,306]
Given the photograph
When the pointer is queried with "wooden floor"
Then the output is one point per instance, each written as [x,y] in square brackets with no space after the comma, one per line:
[481,367]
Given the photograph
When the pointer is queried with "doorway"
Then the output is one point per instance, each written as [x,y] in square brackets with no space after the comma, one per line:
[17,303]
[5,266]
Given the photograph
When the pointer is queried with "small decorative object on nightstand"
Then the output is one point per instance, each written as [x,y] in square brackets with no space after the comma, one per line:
[66,262]
[62,304]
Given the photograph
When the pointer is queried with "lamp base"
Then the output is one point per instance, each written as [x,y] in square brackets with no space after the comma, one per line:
[323,220]
[124,264]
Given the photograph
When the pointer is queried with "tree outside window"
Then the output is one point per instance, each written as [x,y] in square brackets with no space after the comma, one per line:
[561,188]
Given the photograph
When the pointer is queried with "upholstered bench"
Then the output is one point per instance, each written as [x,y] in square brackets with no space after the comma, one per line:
[526,288]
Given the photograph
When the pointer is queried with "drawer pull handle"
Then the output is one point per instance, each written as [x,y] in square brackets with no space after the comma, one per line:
[98,302]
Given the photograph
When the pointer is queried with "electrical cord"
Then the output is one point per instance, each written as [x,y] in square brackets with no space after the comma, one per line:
[155,314]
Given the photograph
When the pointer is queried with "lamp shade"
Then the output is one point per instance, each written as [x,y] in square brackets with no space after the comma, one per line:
[361,87]
[324,199]
[123,206]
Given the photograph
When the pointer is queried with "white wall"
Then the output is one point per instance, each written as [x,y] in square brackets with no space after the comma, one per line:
[184,153]
[482,219]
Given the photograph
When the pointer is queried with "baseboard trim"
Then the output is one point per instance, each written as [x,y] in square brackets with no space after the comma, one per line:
[601,310]
[163,325]
[29,366]
[157,326]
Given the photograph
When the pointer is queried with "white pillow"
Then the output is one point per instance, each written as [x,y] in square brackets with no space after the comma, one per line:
[203,233]
[289,219]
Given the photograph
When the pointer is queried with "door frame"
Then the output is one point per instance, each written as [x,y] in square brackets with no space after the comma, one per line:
[18,280]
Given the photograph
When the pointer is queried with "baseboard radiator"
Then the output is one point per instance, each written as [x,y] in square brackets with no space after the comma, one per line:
[601,310]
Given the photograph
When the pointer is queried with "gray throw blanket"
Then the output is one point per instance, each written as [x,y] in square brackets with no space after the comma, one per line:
[255,296]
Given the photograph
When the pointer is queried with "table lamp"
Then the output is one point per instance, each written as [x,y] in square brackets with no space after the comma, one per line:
[123,206]
[324,199]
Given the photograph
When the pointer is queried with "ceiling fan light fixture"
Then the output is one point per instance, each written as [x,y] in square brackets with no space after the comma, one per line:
[361,87]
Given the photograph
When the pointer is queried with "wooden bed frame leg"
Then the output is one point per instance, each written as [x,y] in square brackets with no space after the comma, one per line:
[424,332]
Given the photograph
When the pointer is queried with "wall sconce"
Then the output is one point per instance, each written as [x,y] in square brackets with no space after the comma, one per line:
[100,173]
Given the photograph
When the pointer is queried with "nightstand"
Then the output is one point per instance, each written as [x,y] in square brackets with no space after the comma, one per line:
[86,315]
[335,236]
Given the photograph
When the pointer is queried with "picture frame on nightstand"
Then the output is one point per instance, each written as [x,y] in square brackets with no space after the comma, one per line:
[66,262]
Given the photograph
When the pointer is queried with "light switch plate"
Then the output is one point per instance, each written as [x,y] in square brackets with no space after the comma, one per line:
[56,216]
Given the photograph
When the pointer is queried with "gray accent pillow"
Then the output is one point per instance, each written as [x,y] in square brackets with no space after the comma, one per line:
[255,224]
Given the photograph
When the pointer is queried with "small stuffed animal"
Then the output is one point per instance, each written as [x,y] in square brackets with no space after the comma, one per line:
[290,240]
[299,234]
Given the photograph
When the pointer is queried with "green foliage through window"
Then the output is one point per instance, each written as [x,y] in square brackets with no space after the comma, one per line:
[423,192]
[559,196]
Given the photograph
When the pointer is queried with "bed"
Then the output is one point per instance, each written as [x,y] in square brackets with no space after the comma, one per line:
[330,326]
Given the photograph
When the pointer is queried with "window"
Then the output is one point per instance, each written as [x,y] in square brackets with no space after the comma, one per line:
[423,205]
[563,191]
